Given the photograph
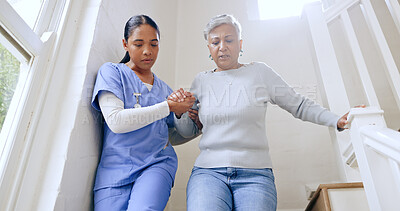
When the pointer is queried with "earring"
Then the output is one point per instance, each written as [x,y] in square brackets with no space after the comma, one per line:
[210,57]
[241,52]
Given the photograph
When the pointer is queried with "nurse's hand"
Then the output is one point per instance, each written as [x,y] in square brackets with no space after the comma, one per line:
[179,95]
[181,107]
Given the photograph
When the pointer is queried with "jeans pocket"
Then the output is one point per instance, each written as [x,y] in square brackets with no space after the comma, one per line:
[195,168]
[266,172]
[270,174]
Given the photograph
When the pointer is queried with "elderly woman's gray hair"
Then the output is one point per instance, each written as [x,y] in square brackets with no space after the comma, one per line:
[222,19]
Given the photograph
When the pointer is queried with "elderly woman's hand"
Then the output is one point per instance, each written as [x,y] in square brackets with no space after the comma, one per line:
[194,115]
[181,107]
[179,95]
[342,122]
[180,101]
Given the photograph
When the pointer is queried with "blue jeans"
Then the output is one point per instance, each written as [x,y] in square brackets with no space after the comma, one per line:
[231,189]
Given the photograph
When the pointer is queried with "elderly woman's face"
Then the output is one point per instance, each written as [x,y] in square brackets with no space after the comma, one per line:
[224,46]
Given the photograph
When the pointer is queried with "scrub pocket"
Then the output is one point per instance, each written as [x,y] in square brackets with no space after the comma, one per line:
[117,158]
[112,198]
[163,127]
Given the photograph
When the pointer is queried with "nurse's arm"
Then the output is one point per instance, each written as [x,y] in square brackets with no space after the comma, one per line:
[121,120]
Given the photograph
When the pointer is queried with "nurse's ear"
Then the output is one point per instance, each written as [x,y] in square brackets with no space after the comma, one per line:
[125,44]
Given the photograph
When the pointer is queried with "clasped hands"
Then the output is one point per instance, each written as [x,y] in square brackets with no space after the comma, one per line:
[181,101]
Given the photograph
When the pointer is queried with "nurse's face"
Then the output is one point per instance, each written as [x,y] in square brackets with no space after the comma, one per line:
[224,46]
[142,47]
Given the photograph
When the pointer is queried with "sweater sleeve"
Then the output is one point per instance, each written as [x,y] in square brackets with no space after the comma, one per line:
[298,105]
[121,120]
[175,138]
[184,125]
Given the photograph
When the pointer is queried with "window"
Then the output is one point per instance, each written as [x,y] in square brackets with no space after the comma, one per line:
[19,44]
[273,9]
[27,43]
[14,59]
[9,72]
[28,9]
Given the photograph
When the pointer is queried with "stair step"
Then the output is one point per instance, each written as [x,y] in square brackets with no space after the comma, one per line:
[339,196]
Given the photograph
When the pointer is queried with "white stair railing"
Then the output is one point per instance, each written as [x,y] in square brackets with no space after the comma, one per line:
[371,146]
[340,10]
[392,73]
[377,149]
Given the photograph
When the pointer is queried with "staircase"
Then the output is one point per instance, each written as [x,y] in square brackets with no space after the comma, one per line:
[357,54]
[339,196]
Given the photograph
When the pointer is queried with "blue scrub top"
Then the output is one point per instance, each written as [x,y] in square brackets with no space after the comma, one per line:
[125,155]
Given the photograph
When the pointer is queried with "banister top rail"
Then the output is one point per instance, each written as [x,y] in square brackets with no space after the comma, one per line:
[385,135]
[363,111]
[336,9]
[384,140]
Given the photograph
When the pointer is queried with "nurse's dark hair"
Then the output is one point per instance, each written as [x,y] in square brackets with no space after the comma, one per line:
[133,23]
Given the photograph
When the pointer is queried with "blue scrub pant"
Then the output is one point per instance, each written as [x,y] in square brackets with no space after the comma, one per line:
[237,189]
[150,191]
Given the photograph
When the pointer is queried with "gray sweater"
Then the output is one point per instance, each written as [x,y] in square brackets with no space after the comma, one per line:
[232,107]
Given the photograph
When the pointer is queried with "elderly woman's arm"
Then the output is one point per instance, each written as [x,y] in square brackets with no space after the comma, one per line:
[184,130]
[186,127]
[298,105]
[186,124]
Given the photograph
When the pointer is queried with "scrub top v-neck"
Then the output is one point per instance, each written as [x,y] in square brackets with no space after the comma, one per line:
[125,155]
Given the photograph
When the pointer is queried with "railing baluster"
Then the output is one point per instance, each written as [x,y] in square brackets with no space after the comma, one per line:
[396,172]
[359,60]
[393,75]
[394,8]
[333,90]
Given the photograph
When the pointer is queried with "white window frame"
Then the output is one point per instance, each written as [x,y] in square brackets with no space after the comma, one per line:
[20,124]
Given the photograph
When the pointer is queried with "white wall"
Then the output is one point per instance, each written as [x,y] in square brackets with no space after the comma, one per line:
[110,27]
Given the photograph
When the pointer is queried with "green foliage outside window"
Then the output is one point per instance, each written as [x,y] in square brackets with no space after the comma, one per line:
[9,71]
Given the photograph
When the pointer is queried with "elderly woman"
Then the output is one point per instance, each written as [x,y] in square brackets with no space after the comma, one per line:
[233,170]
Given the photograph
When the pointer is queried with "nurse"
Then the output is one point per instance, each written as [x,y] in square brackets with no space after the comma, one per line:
[138,164]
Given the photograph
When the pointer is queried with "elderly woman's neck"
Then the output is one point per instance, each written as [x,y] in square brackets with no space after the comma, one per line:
[218,69]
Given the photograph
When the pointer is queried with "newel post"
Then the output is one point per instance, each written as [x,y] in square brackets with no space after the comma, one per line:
[358,118]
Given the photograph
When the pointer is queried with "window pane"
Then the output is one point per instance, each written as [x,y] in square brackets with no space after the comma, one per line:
[9,72]
[28,9]
[273,9]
